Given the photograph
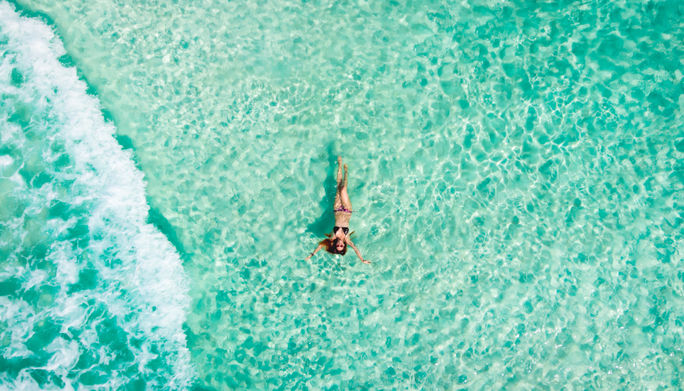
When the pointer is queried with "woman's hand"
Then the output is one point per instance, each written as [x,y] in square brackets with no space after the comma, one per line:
[356,250]
[311,254]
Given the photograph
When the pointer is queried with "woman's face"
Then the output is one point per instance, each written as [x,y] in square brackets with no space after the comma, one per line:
[339,245]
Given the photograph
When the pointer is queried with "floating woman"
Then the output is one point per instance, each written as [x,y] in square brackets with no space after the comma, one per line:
[336,243]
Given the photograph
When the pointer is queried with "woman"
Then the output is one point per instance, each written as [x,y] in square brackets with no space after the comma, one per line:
[337,242]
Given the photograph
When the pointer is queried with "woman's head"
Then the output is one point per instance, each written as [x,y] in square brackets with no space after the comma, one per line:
[334,245]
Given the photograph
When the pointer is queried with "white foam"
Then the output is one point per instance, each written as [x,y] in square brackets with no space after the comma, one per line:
[5,161]
[107,179]
[67,269]
[19,318]
[65,355]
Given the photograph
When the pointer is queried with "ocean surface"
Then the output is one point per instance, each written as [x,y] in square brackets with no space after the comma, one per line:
[516,170]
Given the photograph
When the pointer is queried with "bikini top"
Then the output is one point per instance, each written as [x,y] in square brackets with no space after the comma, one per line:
[344,229]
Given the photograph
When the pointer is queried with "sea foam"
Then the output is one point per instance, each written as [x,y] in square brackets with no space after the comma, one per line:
[139,288]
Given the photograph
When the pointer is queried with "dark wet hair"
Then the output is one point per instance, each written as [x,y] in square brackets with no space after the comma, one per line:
[331,245]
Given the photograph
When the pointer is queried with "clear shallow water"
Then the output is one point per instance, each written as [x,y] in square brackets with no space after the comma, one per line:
[515,170]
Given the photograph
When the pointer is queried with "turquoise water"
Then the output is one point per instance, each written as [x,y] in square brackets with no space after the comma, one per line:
[515,169]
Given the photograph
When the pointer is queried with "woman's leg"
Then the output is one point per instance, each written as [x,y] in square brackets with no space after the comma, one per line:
[339,170]
[344,196]
[338,201]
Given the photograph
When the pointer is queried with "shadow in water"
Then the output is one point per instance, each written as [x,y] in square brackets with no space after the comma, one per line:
[156,218]
[325,223]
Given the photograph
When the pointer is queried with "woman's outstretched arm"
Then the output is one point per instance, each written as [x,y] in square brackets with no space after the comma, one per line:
[320,246]
[356,250]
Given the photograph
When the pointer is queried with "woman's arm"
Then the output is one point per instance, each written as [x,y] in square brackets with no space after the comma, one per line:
[320,246]
[356,250]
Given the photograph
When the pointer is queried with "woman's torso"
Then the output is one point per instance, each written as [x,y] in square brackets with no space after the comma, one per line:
[342,219]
